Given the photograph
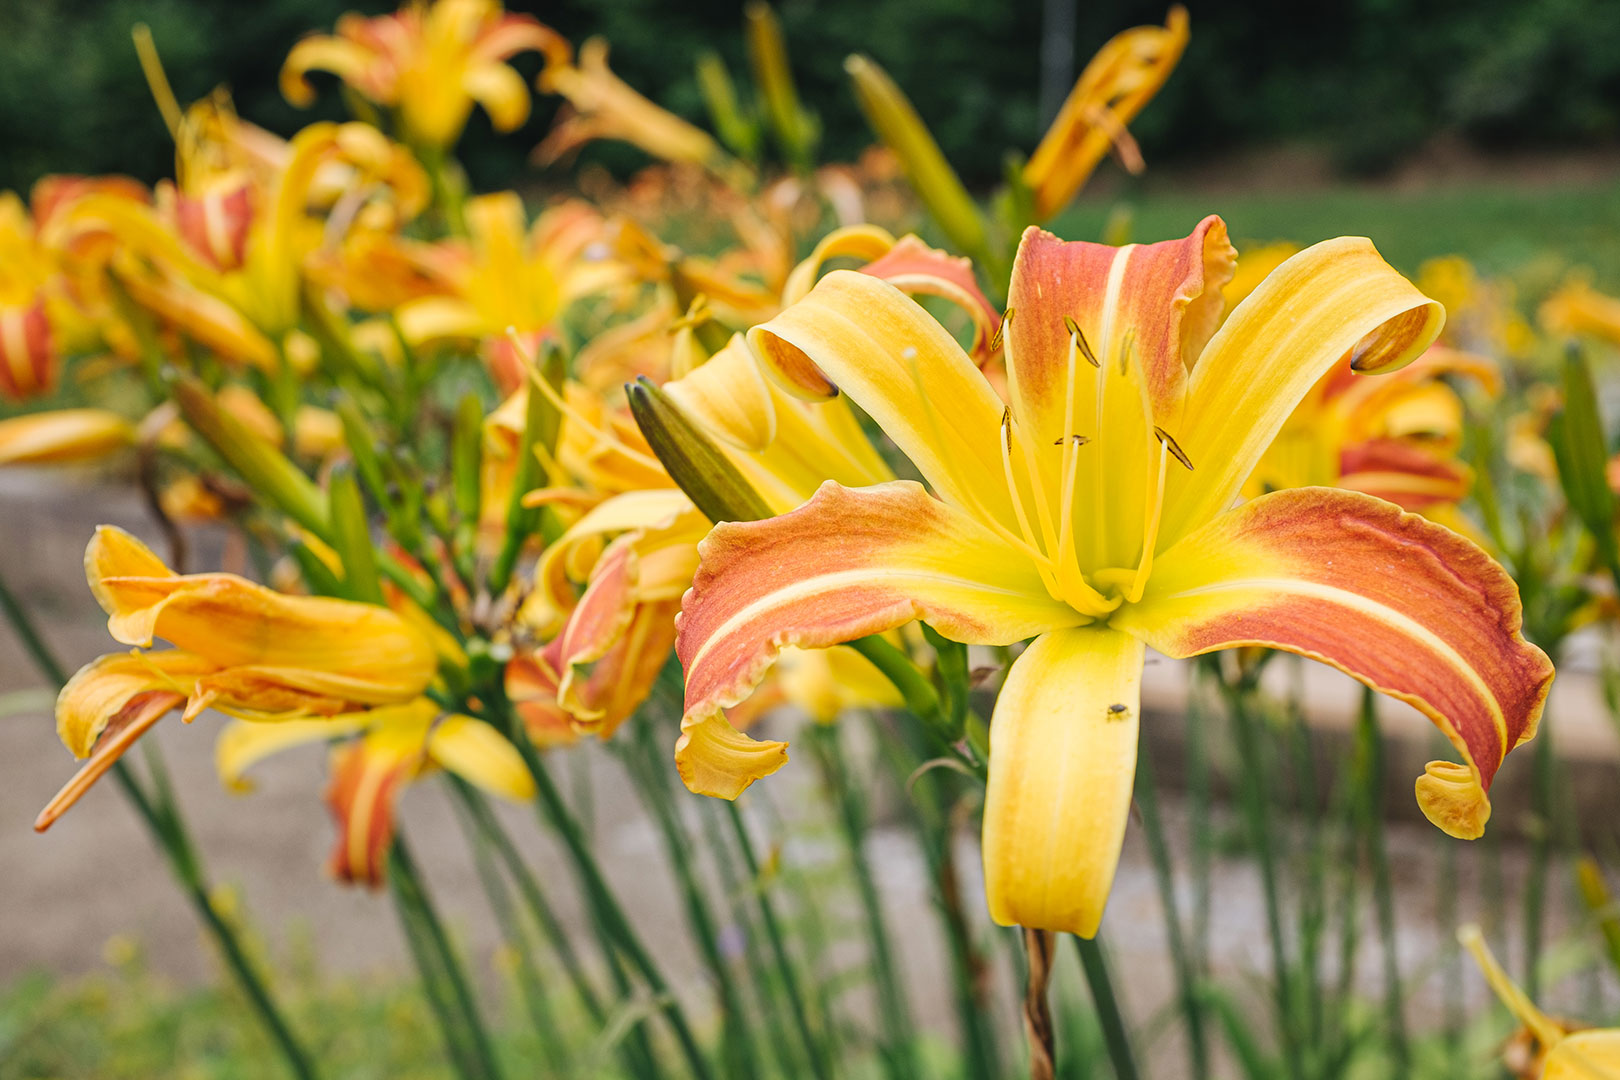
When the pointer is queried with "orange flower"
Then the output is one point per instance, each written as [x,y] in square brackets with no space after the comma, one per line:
[239,647]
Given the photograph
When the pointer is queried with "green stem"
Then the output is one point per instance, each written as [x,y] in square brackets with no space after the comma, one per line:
[413,898]
[773,932]
[928,798]
[1541,824]
[168,829]
[603,900]
[534,900]
[901,1053]
[644,759]
[1094,963]
[1370,745]
[1257,812]
[541,1015]
[1147,800]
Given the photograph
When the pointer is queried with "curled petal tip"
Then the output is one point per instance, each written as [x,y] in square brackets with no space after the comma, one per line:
[1451,797]
[716,759]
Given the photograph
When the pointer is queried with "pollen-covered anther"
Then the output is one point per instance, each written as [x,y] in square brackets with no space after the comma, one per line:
[1080,341]
[1175,449]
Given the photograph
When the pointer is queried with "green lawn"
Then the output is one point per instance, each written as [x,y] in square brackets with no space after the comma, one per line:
[1531,233]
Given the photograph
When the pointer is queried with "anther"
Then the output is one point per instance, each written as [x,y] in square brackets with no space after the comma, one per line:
[1006,427]
[1080,341]
[1175,449]
[1078,440]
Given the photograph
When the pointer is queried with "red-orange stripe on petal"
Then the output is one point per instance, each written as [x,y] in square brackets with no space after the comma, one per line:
[1167,300]
[1406,606]
[366,778]
[1407,474]
[26,360]
[919,270]
[850,562]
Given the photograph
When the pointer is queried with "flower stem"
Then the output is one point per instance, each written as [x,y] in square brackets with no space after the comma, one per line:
[604,902]
[773,932]
[1370,747]
[1147,800]
[1257,812]
[1037,1008]
[900,1057]
[459,1011]
[643,759]
[1094,962]
[168,829]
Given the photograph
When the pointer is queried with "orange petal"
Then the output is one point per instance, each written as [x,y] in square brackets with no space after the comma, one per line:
[119,733]
[329,648]
[1165,296]
[367,774]
[63,435]
[850,562]
[1406,606]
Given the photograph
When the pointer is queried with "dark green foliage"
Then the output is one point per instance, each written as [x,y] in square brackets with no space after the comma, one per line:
[1369,79]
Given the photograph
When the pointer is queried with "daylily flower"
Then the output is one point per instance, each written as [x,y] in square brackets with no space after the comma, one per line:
[239,647]
[1094,514]
[1394,436]
[1562,1051]
[376,754]
[1116,85]
[46,310]
[63,435]
[1577,308]
[509,276]
[228,273]
[429,61]
[603,106]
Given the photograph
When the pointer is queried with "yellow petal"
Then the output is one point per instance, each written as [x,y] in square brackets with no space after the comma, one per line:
[501,91]
[1333,298]
[728,396]
[243,743]
[63,435]
[863,337]
[479,754]
[1062,764]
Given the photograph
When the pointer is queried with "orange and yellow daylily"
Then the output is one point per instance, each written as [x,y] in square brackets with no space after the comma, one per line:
[1395,436]
[1562,1051]
[376,754]
[1115,86]
[221,257]
[604,106]
[509,277]
[47,309]
[1577,308]
[239,647]
[1093,512]
[430,62]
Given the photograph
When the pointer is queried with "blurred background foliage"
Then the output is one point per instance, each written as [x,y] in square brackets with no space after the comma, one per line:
[1366,81]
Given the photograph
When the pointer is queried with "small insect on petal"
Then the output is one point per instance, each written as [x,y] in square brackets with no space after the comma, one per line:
[1175,449]
[1117,711]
